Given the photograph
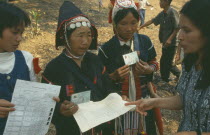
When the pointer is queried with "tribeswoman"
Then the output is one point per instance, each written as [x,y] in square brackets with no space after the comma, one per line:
[134,81]
[75,69]
[111,5]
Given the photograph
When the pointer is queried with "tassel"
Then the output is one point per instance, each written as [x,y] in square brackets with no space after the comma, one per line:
[158,116]
[37,68]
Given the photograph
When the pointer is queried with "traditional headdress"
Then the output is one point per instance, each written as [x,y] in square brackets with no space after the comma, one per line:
[71,17]
[122,4]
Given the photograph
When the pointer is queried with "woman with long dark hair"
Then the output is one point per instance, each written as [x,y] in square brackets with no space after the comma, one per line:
[194,84]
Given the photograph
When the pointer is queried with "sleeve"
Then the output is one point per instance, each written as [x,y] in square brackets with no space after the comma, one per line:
[108,84]
[47,77]
[157,19]
[151,50]
[103,57]
[29,61]
[182,80]
[175,19]
[152,61]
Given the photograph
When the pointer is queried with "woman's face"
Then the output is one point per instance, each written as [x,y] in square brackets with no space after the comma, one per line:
[80,40]
[191,38]
[11,38]
[127,27]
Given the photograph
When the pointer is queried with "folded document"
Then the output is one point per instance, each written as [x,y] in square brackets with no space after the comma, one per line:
[92,114]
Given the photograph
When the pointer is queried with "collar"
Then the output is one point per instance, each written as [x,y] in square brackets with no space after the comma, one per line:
[128,43]
[6,56]
[168,11]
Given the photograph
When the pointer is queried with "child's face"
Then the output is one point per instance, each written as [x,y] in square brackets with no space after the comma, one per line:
[163,3]
[11,38]
[127,27]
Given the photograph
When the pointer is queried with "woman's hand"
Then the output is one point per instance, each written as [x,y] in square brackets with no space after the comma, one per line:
[56,99]
[68,108]
[168,43]
[143,105]
[120,73]
[142,67]
[5,108]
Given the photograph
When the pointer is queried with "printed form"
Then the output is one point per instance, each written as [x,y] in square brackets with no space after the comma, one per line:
[92,114]
[34,108]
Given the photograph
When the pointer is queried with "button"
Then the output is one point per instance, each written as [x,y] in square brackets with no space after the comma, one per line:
[8,77]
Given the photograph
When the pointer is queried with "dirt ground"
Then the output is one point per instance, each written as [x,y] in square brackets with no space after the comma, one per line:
[43,44]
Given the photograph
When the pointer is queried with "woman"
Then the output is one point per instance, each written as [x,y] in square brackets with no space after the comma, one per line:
[75,69]
[128,78]
[14,64]
[111,5]
[194,84]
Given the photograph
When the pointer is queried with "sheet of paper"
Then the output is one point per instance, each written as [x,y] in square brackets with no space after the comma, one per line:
[34,108]
[92,114]
[131,58]
[81,97]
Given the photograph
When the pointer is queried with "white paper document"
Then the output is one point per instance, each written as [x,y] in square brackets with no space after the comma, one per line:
[34,108]
[131,58]
[92,114]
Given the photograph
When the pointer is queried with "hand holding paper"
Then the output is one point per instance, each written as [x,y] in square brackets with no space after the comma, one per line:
[131,58]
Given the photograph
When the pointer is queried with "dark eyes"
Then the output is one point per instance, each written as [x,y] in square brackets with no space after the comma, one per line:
[89,35]
[133,23]
[15,33]
[186,30]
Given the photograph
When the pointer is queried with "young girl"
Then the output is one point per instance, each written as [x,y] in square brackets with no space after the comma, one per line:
[133,81]
[14,64]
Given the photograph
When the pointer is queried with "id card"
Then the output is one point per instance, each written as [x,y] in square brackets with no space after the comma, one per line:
[81,97]
[131,58]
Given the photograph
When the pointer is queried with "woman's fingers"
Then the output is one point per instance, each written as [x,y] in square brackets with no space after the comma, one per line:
[142,62]
[68,108]
[122,72]
[5,103]
[138,102]
[56,99]
[141,112]
[3,114]
[124,69]
[72,109]
[5,108]
[140,67]
[140,106]
[123,75]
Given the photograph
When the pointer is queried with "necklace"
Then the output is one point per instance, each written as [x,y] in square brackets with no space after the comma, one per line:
[73,56]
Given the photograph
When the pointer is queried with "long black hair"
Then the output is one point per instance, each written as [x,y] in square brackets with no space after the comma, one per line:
[12,16]
[123,13]
[198,12]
